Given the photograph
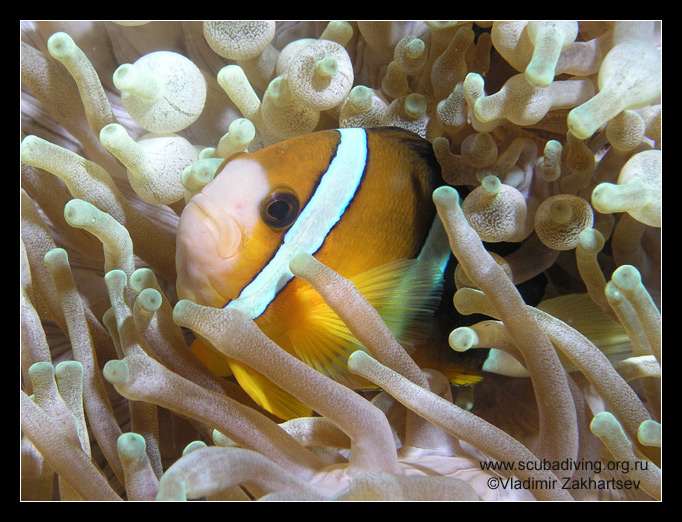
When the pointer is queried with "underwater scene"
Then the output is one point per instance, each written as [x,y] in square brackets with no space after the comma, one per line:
[340,260]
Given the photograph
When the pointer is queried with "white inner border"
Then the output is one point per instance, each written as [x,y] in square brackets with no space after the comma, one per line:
[335,191]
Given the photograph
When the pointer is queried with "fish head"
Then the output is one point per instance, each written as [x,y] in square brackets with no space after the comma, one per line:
[222,231]
[230,230]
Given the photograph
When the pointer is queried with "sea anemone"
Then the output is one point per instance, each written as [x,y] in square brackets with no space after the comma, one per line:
[548,135]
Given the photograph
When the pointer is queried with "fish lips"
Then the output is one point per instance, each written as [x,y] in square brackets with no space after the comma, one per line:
[207,217]
[208,241]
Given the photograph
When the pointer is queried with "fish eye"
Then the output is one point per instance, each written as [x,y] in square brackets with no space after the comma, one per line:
[280,208]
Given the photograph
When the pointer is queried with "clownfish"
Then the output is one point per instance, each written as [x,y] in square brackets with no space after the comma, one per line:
[359,200]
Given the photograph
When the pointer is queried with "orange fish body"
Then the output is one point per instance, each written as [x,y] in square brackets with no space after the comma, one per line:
[359,200]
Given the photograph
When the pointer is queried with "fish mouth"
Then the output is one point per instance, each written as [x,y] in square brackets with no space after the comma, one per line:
[209,242]
[227,234]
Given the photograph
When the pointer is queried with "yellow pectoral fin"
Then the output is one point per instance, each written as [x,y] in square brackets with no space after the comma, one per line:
[212,358]
[317,336]
[405,293]
[267,394]
[263,392]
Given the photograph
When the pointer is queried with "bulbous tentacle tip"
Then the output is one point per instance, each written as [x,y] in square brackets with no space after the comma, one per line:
[150,299]
[627,278]
[591,240]
[112,134]
[603,423]
[116,371]
[649,433]
[613,295]
[60,45]
[128,78]
[181,310]
[446,197]
[56,257]
[78,213]
[301,263]
[30,148]
[204,320]
[415,105]
[116,278]
[131,445]
[68,367]
[194,446]
[42,368]
[327,67]
[579,123]
[358,360]
[462,339]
